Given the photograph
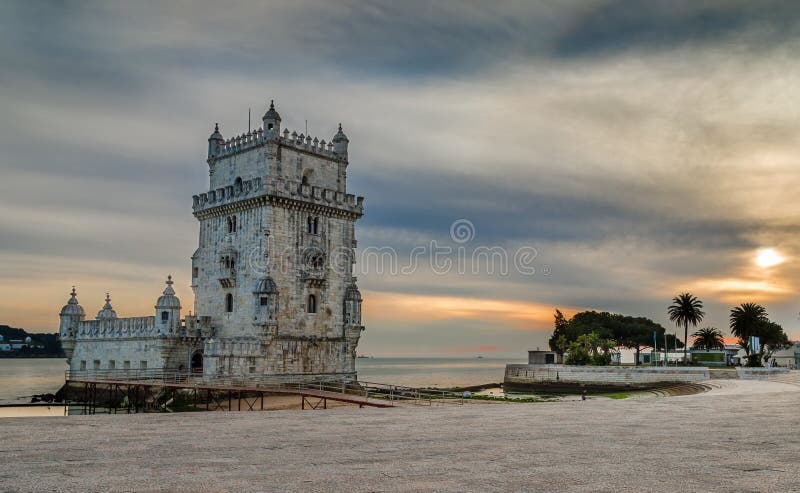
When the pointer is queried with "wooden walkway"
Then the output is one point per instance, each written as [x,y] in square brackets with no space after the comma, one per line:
[141,395]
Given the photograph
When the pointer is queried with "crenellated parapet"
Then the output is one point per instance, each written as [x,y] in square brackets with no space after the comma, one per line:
[225,195]
[317,196]
[257,138]
[117,328]
[308,144]
[303,195]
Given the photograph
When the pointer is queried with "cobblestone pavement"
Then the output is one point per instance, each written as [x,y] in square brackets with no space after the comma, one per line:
[742,436]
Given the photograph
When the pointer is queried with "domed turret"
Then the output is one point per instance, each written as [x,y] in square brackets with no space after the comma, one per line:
[272,121]
[168,298]
[168,310]
[71,316]
[215,142]
[73,308]
[340,142]
[107,313]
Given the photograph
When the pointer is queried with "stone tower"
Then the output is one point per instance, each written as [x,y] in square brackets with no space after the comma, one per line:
[272,275]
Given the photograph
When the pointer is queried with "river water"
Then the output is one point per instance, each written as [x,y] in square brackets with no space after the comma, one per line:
[21,378]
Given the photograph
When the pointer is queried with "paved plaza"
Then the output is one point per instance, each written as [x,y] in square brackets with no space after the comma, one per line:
[741,436]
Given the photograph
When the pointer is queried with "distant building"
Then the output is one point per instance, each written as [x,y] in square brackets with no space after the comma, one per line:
[790,357]
[272,276]
[538,357]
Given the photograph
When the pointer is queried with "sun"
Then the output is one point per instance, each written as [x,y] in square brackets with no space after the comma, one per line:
[768,257]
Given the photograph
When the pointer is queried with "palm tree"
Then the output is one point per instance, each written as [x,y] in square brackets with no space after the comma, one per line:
[746,319]
[686,309]
[708,338]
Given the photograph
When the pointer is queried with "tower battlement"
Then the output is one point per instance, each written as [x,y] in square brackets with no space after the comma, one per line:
[253,189]
[258,138]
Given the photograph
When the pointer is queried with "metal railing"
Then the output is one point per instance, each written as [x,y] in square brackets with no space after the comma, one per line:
[338,384]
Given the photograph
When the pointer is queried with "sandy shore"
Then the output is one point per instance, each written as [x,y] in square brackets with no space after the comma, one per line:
[741,436]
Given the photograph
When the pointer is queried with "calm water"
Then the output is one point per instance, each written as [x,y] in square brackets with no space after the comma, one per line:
[22,378]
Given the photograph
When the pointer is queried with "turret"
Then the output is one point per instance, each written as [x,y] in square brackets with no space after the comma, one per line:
[71,316]
[340,142]
[352,305]
[215,142]
[168,310]
[107,312]
[272,122]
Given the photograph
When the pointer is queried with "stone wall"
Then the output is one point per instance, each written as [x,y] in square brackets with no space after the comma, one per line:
[746,373]
[544,376]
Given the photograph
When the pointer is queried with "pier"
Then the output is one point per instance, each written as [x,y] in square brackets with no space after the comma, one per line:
[134,391]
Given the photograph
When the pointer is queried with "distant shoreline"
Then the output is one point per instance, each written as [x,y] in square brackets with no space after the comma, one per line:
[30,356]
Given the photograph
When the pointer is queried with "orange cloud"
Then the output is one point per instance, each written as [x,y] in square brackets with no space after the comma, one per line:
[737,290]
[411,307]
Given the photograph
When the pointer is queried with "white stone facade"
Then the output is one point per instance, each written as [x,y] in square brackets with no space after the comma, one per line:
[272,274]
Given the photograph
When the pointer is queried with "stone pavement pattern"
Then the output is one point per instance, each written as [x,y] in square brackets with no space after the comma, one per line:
[743,436]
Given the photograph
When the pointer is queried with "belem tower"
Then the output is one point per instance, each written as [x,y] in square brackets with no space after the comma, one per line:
[272,276]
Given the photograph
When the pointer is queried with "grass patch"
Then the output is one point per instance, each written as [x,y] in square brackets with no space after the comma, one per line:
[618,395]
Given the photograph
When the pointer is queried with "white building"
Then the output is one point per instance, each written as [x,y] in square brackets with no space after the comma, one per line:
[272,274]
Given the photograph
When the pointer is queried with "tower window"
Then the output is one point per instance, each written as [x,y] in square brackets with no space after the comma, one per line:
[311,305]
[195,271]
[312,225]
[231,220]
[269,126]
[229,303]
[164,316]
[264,301]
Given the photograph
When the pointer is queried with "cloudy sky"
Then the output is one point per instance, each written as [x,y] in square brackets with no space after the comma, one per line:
[640,149]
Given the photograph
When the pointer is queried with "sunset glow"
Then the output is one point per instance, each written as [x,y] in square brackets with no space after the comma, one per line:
[768,257]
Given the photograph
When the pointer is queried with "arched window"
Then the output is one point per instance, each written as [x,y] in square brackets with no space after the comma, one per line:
[304,181]
[316,225]
[229,303]
[309,225]
[311,306]
[231,220]
[237,186]
[164,316]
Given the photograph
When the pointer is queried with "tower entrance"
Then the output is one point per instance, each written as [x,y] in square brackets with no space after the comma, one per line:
[197,362]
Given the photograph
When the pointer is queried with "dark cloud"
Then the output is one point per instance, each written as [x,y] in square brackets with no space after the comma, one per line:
[611,136]
[625,25]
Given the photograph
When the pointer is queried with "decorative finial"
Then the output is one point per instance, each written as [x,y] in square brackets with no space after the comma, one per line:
[169,279]
[272,104]
[73,293]
[108,298]
[340,126]
[216,127]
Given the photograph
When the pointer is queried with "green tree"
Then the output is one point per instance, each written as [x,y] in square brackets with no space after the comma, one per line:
[629,332]
[591,349]
[745,321]
[708,338]
[559,342]
[751,319]
[686,309]
[772,338]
